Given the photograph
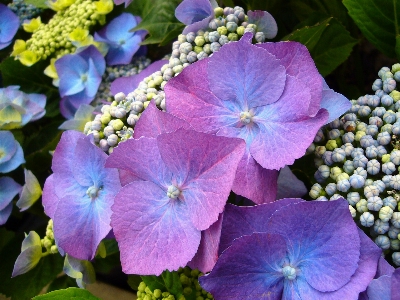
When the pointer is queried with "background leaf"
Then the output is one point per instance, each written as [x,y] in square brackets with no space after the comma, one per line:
[69,293]
[378,21]
[37,3]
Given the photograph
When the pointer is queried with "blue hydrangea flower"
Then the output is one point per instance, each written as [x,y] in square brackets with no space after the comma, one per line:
[79,194]
[18,108]
[196,14]
[122,42]
[292,249]
[80,77]
[11,154]
[9,24]
[8,190]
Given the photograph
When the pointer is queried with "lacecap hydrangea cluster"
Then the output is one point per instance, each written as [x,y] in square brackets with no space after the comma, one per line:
[117,120]
[190,282]
[113,72]
[358,157]
[24,11]
[56,38]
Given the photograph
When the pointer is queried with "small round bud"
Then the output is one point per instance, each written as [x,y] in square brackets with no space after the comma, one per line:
[383,242]
[367,219]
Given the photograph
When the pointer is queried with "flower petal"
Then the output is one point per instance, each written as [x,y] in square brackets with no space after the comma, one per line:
[146,223]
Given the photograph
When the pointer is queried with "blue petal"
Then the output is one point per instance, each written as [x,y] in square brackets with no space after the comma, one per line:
[336,104]
[8,146]
[5,213]
[123,54]
[70,69]
[14,162]
[9,24]
[8,190]
[191,11]
[93,80]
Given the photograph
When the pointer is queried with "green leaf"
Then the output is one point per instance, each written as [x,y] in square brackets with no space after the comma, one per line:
[308,35]
[167,281]
[328,41]
[69,293]
[37,3]
[27,285]
[333,48]
[160,22]
[377,21]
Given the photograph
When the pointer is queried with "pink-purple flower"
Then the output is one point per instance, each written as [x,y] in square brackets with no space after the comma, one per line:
[271,95]
[180,181]
[79,194]
[292,249]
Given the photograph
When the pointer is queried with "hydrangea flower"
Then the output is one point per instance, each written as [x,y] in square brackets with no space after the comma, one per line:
[292,249]
[8,190]
[80,77]
[196,14]
[79,194]
[18,108]
[271,95]
[9,24]
[181,181]
[122,42]
[11,154]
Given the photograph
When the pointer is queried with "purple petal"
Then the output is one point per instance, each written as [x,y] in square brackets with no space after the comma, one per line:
[63,157]
[249,269]
[9,24]
[153,122]
[244,80]
[289,186]
[265,22]
[285,129]
[384,268]
[191,11]
[8,190]
[320,235]
[251,219]
[255,182]
[205,173]
[130,83]
[127,177]
[299,63]
[49,197]
[5,213]
[336,104]
[380,289]
[207,254]
[146,223]
[200,25]
[396,284]
[369,256]
[130,156]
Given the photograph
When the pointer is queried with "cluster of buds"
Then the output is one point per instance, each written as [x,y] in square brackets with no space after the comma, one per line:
[48,241]
[358,158]
[24,11]
[228,25]
[190,284]
[65,31]
[114,72]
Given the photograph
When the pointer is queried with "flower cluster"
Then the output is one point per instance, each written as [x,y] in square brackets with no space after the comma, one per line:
[190,284]
[18,108]
[228,25]
[24,11]
[358,157]
[56,38]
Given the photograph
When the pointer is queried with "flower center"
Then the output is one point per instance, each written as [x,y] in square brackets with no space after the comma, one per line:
[2,153]
[93,192]
[289,272]
[246,117]
[84,77]
[173,192]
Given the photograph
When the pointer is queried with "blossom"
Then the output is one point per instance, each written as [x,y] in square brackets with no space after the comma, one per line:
[292,249]
[11,154]
[182,181]
[79,194]
[122,43]
[9,24]
[18,108]
[8,190]
[271,95]
[196,14]
[30,193]
[79,78]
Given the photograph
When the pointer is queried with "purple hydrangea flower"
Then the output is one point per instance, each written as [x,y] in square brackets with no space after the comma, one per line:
[80,77]
[9,24]
[18,108]
[122,42]
[8,190]
[11,154]
[271,95]
[79,194]
[182,180]
[292,249]
[196,14]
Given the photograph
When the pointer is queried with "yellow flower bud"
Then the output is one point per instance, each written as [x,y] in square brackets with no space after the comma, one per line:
[19,47]
[28,58]
[32,25]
